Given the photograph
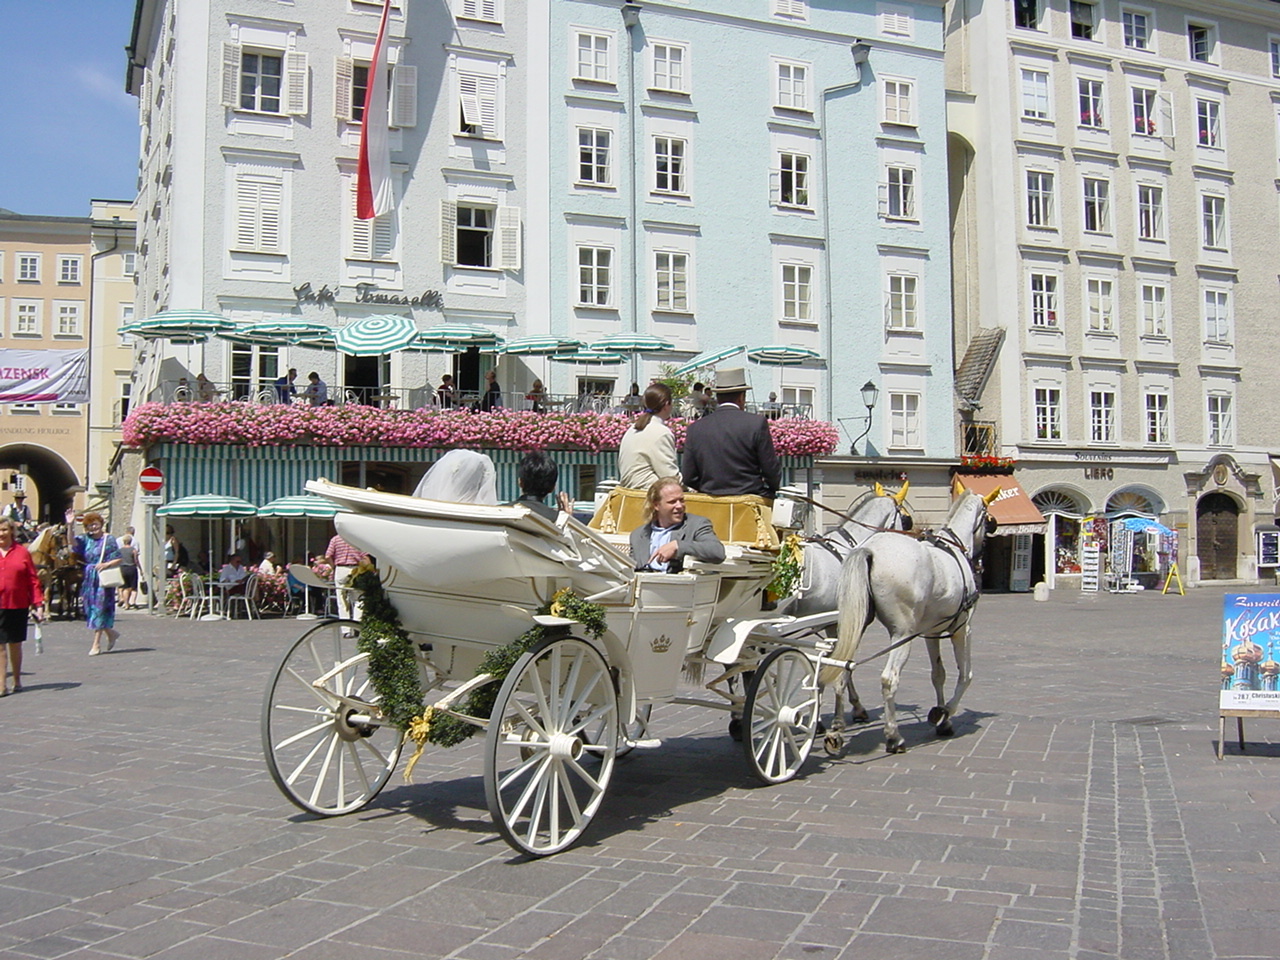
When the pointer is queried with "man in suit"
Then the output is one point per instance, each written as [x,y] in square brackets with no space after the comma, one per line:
[669,535]
[731,453]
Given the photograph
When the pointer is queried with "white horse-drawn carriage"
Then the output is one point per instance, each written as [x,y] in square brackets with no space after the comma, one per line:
[468,579]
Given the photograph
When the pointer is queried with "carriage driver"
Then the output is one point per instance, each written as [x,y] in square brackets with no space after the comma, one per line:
[669,534]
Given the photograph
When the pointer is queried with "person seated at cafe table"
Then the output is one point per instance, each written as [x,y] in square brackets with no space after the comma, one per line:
[233,574]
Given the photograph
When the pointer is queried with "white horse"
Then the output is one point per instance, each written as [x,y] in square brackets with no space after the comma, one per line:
[916,588]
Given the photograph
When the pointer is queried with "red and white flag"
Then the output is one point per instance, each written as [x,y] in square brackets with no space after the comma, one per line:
[373,182]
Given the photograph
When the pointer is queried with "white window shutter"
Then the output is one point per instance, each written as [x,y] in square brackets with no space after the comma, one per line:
[246,214]
[296,98]
[884,199]
[270,204]
[775,186]
[384,236]
[1165,106]
[343,71]
[448,232]
[404,96]
[508,238]
[361,230]
[487,90]
[230,74]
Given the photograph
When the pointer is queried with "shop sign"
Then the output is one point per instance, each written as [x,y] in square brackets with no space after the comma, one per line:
[1099,473]
[327,296]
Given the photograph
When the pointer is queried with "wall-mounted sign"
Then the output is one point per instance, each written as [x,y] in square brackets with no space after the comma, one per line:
[44,376]
[1099,473]
[366,293]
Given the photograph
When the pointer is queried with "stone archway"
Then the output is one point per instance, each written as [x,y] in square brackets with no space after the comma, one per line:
[54,480]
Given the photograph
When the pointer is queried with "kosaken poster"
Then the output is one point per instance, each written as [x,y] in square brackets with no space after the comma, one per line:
[1250,646]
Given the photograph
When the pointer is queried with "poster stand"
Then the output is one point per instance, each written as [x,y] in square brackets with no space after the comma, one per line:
[1249,669]
[1173,575]
[1239,715]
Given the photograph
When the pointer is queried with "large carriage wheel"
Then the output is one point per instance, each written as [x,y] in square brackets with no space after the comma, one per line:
[325,754]
[550,746]
[781,713]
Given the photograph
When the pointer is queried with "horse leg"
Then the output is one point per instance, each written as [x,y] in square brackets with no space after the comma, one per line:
[860,714]
[939,716]
[893,741]
[964,675]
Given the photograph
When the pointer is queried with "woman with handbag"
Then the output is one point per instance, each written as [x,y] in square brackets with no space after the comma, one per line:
[100,554]
[19,592]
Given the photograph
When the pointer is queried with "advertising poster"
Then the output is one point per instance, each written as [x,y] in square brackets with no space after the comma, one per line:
[44,376]
[1250,645]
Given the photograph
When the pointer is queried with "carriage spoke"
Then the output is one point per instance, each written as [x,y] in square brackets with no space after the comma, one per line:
[781,708]
[303,734]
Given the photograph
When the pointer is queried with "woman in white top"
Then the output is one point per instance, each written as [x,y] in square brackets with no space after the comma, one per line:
[648,449]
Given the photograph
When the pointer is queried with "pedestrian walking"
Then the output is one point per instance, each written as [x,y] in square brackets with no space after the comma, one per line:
[99,552]
[129,569]
[20,595]
[345,558]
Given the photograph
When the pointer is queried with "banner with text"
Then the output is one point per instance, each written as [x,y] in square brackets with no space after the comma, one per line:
[1250,638]
[44,376]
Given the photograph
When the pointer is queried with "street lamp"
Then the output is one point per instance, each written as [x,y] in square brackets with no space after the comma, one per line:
[870,394]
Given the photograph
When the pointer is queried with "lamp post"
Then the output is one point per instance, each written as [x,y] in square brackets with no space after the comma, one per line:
[870,394]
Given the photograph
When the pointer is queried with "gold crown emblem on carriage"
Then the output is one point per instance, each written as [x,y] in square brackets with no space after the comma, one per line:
[660,644]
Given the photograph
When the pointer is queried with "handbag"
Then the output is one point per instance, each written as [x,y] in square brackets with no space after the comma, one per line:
[111,578]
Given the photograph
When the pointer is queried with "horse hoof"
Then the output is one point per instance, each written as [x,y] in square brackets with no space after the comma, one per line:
[860,716]
[735,729]
[833,743]
[945,729]
[938,716]
[895,746]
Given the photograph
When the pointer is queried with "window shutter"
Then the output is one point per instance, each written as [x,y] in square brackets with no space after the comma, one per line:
[270,202]
[404,96]
[468,87]
[230,74]
[508,238]
[246,214]
[384,236]
[296,89]
[343,70]
[1165,106]
[775,186]
[884,199]
[487,91]
[448,232]
[361,230]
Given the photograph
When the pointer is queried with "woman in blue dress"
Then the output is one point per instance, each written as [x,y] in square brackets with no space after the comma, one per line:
[98,550]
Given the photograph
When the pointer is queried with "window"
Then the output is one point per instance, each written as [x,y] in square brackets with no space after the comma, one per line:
[372,239]
[793,180]
[1035,94]
[672,281]
[1155,310]
[897,102]
[798,400]
[1150,212]
[1275,58]
[900,302]
[1102,416]
[1101,300]
[261,82]
[668,170]
[69,269]
[1137,31]
[793,86]
[1026,14]
[68,320]
[1097,205]
[1091,99]
[480,235]
[480,10]
[1208,132]
[797,292]
[257,208]
[475,236]
[1048,413]
[1082,20]
[28,268]
[593,57]
[793,9]
[478,96]
[1157,417]
[1144,111]
[904,419]
[1039,198]
[26,320]
[270,81]
[1213,218]
[66,408]
[593,156]
[669,67]
[130,264]
[123,402]
[1217,318]
[1044,300]
[594,264]
[899,201]
[1200,42]
[894,21]
[254,368]
[1220,425]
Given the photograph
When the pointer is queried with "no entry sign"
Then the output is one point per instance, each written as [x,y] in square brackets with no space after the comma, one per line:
[151,479]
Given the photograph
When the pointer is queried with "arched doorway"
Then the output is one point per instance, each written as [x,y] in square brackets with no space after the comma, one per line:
[1217,536]
[55,482]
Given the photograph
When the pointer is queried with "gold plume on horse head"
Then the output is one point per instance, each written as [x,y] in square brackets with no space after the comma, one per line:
[902,493]
[957,487]
[879,490]
[990,498]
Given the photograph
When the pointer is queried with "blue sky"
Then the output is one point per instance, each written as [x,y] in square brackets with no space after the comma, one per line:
[74,129]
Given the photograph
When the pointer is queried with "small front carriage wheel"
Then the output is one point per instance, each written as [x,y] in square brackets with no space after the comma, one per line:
[325,750]
[550,746]
[781,715]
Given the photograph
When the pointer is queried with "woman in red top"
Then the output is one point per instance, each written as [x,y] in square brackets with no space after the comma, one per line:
[19,592]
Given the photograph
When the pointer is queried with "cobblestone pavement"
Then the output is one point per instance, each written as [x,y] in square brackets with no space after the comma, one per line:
[1079,812]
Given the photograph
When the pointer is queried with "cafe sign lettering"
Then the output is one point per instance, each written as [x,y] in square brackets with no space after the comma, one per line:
[366,293]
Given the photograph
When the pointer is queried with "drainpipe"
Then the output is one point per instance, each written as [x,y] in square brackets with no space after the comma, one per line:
[631,20]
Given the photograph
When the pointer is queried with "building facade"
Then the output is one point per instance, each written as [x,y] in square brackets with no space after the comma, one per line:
[1115,225]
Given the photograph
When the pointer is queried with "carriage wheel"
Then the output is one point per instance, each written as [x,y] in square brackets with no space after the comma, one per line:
[550,746]
[325,754]
[781,714]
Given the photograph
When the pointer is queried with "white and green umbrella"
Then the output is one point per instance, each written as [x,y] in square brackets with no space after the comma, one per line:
[588,355]
[453,337]
[285,330]
[782,355]
[631,343]
[709,359]
[374,336]
[302,505]
[540,346]
[208,505]
[192,326]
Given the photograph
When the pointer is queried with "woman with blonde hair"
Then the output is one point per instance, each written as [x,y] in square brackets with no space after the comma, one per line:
[98,551]
[648,448]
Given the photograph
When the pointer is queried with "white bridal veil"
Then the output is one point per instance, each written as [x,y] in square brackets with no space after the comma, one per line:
[460,476]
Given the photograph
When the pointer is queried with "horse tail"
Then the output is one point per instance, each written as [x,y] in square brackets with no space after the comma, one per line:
[854,604]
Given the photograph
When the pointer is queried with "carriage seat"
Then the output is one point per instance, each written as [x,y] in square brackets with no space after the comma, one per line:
[745,520]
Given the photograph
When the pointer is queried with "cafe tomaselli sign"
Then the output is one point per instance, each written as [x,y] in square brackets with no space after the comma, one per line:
[44,376]
[1250,672]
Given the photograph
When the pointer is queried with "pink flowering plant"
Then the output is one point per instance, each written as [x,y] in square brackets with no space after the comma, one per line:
[273,425]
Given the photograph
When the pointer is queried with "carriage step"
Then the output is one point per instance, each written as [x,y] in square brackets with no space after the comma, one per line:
[650,744]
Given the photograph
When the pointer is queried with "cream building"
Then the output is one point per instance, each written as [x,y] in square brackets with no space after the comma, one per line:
[1114,309]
